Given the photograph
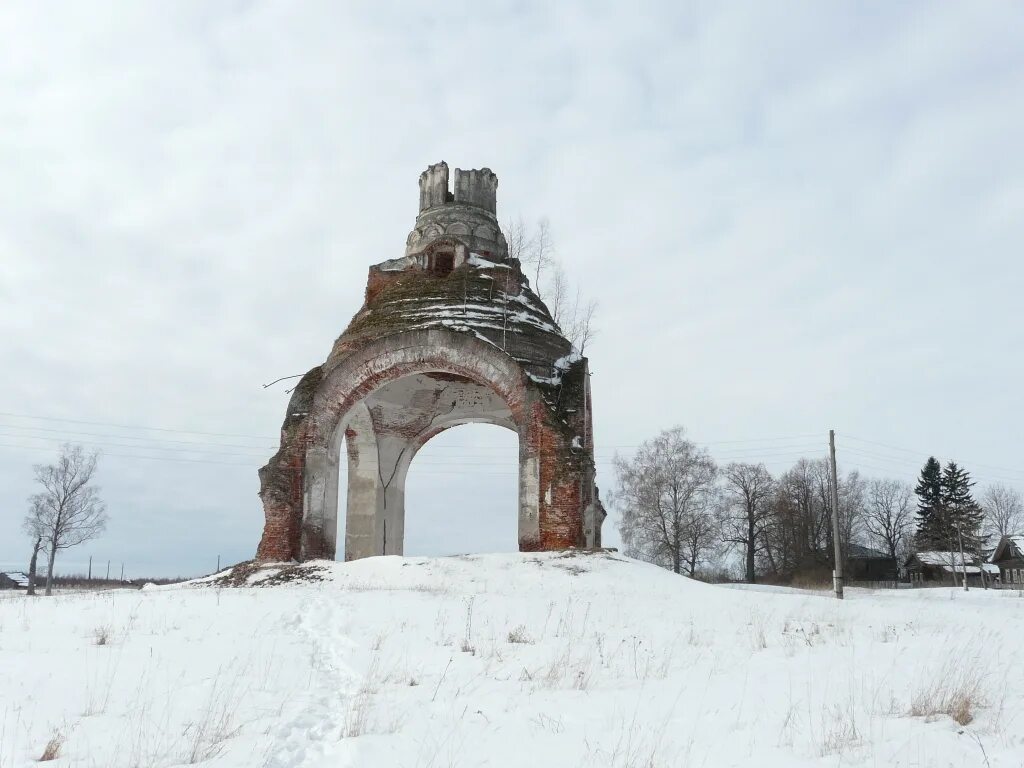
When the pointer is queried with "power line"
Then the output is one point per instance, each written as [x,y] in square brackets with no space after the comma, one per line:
[773,439]
[134,456]
[130,426]
[130,437]
[175,459]
[774,450]
[986,476]
[255,452]
[929,453]
[129,445]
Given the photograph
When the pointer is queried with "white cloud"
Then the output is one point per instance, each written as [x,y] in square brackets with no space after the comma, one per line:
[795,216]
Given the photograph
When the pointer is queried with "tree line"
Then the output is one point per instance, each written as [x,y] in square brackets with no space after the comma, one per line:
[682,510]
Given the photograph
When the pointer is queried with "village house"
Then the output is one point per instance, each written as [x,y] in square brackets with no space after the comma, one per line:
[1008,557]
[938,568]
[867,564]
[13,580]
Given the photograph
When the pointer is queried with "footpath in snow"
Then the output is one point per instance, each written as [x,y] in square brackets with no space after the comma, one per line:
[509,660]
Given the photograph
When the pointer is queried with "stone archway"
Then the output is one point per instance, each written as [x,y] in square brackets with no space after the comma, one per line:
[429,350]
[416,385]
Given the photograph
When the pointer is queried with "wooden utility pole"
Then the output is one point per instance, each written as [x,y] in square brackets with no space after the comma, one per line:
[90,567]
[963,561]
[837,573]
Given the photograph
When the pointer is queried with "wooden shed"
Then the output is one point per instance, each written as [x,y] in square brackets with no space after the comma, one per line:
[1008,557]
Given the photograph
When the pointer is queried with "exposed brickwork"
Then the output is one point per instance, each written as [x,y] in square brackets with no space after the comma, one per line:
[281,486]
[436,344]
[562,472]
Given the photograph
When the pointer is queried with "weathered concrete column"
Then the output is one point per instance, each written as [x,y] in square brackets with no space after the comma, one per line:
[320,503]
[377,468]
[364,487]
[394,457]
[529,493]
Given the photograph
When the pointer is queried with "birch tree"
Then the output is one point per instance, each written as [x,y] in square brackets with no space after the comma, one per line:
[33,526]
[67,510]
[668,501]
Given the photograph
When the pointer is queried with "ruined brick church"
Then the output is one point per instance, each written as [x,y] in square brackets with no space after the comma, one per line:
[450,333]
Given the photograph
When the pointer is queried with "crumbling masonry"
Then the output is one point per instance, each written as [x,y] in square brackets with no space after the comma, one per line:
[449,334]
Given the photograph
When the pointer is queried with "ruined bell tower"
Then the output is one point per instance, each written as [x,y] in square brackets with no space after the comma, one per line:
[449,333]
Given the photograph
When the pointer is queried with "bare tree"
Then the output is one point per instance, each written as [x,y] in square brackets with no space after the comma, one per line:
[583,328]
[557,296]
[853,491]
[33,526]
[747,495]
[516,237]
[68,509]
[575,317]
[1004,510]
[889,514]
[668,501]
[797,536]
[534,248]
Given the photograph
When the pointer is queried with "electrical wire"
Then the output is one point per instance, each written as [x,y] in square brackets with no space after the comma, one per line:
[928,453]
[130,426]
[130,437]
[774,450]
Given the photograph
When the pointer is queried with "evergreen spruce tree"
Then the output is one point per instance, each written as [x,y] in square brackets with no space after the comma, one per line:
[963,513]
[932,527]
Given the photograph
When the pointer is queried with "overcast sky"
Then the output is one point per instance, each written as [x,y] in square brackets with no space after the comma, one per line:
[795,216]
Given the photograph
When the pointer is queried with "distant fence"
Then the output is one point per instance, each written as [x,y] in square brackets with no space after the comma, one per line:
[888,584]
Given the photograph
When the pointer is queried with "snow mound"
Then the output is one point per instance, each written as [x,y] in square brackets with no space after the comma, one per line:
[578,659]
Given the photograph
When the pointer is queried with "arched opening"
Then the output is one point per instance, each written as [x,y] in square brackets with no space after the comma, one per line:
[375,409]
[375,445]
[442,262]
[462,493]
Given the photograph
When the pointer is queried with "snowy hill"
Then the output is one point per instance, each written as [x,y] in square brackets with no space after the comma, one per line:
[509,660]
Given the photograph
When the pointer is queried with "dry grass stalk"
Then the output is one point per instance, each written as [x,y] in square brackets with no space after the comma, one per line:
[53,747]
[954,689]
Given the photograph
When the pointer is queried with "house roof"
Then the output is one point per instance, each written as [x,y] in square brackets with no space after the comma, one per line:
[941,558]
[950,561]
[20,579]
[856,551]
[1015,541]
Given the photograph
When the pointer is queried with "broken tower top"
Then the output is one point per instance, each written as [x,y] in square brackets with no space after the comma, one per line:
[466,215]
[477,188]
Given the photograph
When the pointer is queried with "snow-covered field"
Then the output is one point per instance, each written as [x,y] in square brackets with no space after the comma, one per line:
[511,660]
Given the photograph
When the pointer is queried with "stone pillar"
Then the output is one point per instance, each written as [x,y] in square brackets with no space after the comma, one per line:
[320,504]
[378,464]
[363,485]
[395,454]
[529,492]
